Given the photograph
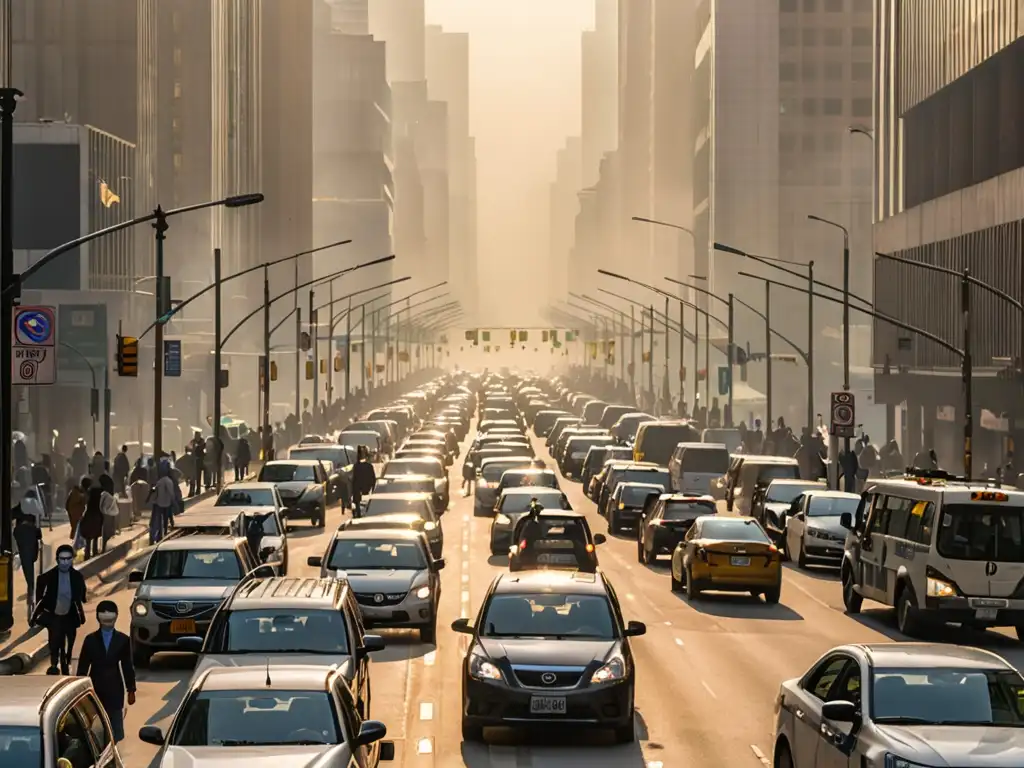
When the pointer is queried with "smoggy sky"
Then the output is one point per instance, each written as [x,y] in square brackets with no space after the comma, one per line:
[524,100]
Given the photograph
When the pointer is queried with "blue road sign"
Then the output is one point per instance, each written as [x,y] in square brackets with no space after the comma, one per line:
[724,379]
[172,357]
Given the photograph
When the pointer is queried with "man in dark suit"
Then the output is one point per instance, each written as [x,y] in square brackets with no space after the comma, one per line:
[60,607]
[106,658]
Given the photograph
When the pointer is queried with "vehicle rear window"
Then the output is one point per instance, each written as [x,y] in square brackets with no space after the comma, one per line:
[397,485]
[429,468]
[771,472]
[524,479]
[730,438]
[374,507]
[658,441]
[493,471]
[269,521]
[651,476]
[637,496]
[286,631]
[251,497]
[520,502]
[705,460]
[779,493]
[369,439]
[986,532]
[287,473]
[831,506]
[732,530]
[687,510]
[338,456]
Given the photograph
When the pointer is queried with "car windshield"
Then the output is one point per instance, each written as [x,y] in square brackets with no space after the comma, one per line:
[270,526]
[355,554]
[337,456]
[523,479]
[401,485]
[648,476]
[218,564]
[256,718]
[286,631]
[550,614]
[786,493]
[369,439]
[580,445]
[832,506]
[770,472]
[989,532]
[687,510]
[250,497]
[374,507]
[20,746]
[944,696]
[493,471]
[635,496]
[736,529]
[429,468]
[520,502]
[712,461]
[287,473]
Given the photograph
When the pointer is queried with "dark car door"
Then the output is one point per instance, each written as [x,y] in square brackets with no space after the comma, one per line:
[352,721]
[361,678]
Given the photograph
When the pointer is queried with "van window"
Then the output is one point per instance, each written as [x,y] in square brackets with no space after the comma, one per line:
[981,532]
[878,517]
[899,513]
[710,461]
[919,528]
[657,441]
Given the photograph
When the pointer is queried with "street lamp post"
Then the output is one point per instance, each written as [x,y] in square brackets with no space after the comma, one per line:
[707,348]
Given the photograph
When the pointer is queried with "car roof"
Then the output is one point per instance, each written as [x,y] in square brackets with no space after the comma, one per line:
[532,582]
[285,592]
[530,471]
[290,677]
[415,459]
[296,462]
[385,534]
[403,496]
[825,493]
[249,486]
[409,479]
[200,541]
[796,481]
[688,497]
[640,485]
[24,696]
[503,459]
[920,655]
[532,490]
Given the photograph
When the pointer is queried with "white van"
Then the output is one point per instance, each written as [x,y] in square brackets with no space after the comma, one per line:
[695,466]
[755,471]
[938,550]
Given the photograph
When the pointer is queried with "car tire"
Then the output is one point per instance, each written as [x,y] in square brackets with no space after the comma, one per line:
[801,558]
[639,550]
[473,734]
[906,614]
[648,557]
[141,655]
[1020,632]
[495,551]
[625,734]
[692,590]
[428,632]
[676,584]
[783,758]
[773,595]
[613,523]
[852,601]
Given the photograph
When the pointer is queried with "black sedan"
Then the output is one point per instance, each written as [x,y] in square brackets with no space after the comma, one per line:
[667,522]
[554,539]
[549,649]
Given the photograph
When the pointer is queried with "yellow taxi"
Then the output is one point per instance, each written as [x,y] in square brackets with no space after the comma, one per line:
[728,554]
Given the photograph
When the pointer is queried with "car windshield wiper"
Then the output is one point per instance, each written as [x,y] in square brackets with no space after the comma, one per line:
[904,720]
[233,743]
[979,724]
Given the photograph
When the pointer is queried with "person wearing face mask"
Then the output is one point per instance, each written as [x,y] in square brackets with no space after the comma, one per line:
[60,607]
[106,659]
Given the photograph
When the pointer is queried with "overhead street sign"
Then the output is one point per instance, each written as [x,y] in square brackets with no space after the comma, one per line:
[34,359]
[172,357]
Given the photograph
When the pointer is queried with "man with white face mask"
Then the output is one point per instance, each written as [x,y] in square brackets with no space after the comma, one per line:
[106,658]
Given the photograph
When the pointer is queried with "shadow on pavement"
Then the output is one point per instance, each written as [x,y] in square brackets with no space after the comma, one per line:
[733,606]
[540,748]
[817,572]
[399,645]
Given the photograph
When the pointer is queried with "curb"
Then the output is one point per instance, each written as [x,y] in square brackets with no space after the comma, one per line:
[98,565]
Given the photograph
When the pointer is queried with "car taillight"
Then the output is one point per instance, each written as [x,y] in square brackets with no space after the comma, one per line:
[657,522]
[590,547]
[522,544]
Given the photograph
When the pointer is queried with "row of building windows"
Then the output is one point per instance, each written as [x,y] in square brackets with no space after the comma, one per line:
[790,71]
[831,106]
[810,174]
[830,6]
[832,37]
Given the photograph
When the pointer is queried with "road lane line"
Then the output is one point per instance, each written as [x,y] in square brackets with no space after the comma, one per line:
[708,689]
[465,578]
[818,600]
[426,710]
[503,757]
[680,643]
[759,755]
[430,658]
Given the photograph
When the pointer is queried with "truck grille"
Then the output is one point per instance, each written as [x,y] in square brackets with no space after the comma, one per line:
[385,598]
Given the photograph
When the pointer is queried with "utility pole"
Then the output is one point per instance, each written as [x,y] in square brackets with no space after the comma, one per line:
[967,373]
[330,343]
[217,383]
[682,366]
[348,350]
[314,344]
[298,362]
[696,350]
[268,440]
[810,346]
[731,358]
[768,356]
[362,349]
[162,305]
[650,358]
[632,347]
[666,394]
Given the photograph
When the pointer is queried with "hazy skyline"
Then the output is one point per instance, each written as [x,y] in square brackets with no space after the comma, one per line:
[524,100]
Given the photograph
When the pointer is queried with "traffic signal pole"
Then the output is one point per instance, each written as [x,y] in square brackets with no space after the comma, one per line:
[217,378]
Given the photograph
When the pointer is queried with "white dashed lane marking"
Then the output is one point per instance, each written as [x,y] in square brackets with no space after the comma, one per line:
[759,755]
[708,689]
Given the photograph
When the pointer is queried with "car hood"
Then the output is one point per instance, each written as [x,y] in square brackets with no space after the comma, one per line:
[250,757]
[575,653]
[341,662]
[829,524]
[182,589]
[943,745]
[379,580]
[294,488]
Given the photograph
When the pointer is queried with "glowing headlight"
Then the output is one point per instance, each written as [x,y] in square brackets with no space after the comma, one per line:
[613,670]
[939,588]
[429,525]
[140,609]
[501,519]
[423,592]
[482,668]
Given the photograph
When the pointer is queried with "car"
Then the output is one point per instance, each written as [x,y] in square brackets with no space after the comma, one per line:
[549,648]
[772,503]
[395,578]
[627,503]
[730,554]
[624,430]
[665,522]
[544,420]
[612,413]
[185,581]
[629,472]
[512,504]
[414,510]
[558,452]
[410,484]
[385,430]
[338,460]
[265,713]
[595,460]
[54,722]
[371,441]
[429,466]
[575,449]
[656,440]
[812,529]
[243,497]
[560,539]
[248,494]
[281,621]
[302,485]
[901,705]
[561,424]
[491,471]
[451,441]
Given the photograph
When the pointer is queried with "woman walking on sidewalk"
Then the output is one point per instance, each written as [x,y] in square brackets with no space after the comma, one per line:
[91,527]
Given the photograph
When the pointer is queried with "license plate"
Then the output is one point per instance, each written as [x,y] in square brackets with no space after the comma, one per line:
[983,602]
[547,705]
[986,614]
[739,561]
[183,627]
[555,559]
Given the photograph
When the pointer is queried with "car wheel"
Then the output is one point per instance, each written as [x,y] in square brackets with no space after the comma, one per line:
[649,557]
[639,550]
[772,595]
[428,632]
[495,550]
[472,733]
[692,591]
[1020,632]
[852,601]
[625,734]
[783,758]
[906,614]
[677,585]
[801,559]
[141,655]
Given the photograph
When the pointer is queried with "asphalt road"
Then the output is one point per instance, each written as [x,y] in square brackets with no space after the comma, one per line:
[707,672]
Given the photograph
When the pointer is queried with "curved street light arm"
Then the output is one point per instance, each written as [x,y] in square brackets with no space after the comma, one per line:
[617,276]
[281,322]
[957,274]
[672,322]
[397,319]
[668,224]
[341,314]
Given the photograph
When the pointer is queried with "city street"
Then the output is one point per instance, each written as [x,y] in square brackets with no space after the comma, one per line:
[707,672]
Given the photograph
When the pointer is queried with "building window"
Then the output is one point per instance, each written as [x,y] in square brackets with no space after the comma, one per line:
[860,107]
[787,142]
[787,71]
[810,142]
[834,6]
[862,37]
[832,106]
[810,36]
[177,57]
[787,6]
[177,89]
[809,70]
[810,106]
[789,107]
[177,161]
[833,38]
[833,70]
[788,37]
[862,71]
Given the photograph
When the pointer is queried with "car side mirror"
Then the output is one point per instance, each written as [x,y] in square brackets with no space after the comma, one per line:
[839,711]
[370,732]
[372,644]
[191,644]
[600,538]
[314,561]
[462,626]
[135,577]
[263,572]
[439,564]
[635,629]
[846,521]
[151,734]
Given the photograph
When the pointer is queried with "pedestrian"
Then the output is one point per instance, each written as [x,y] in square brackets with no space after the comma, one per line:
[122,468]
[364,478]
[162,497]
[79,459]
[60,608]
[98,464]
[468,477]
[42,479]
[91,527]
[106,659]
[75,504]
[108,507]
[31,505]
[243,455]
[199,460]
[29,538]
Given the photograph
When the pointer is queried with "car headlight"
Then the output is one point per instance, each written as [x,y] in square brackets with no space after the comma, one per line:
[482,668]
[895,761]
[501,519]
[938,588]
[423,592]
[429,525]
[621,505]
[613,670]
[140,609]
[814,533]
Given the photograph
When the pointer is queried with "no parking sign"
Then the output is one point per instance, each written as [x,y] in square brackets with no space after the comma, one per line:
[34,360]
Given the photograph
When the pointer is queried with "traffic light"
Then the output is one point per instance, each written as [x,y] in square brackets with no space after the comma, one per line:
[273,370]
[524,335]
[511,337]
[323,365]
[337,363]
[309,370]
[544,336]
[486,335]
[127,356]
